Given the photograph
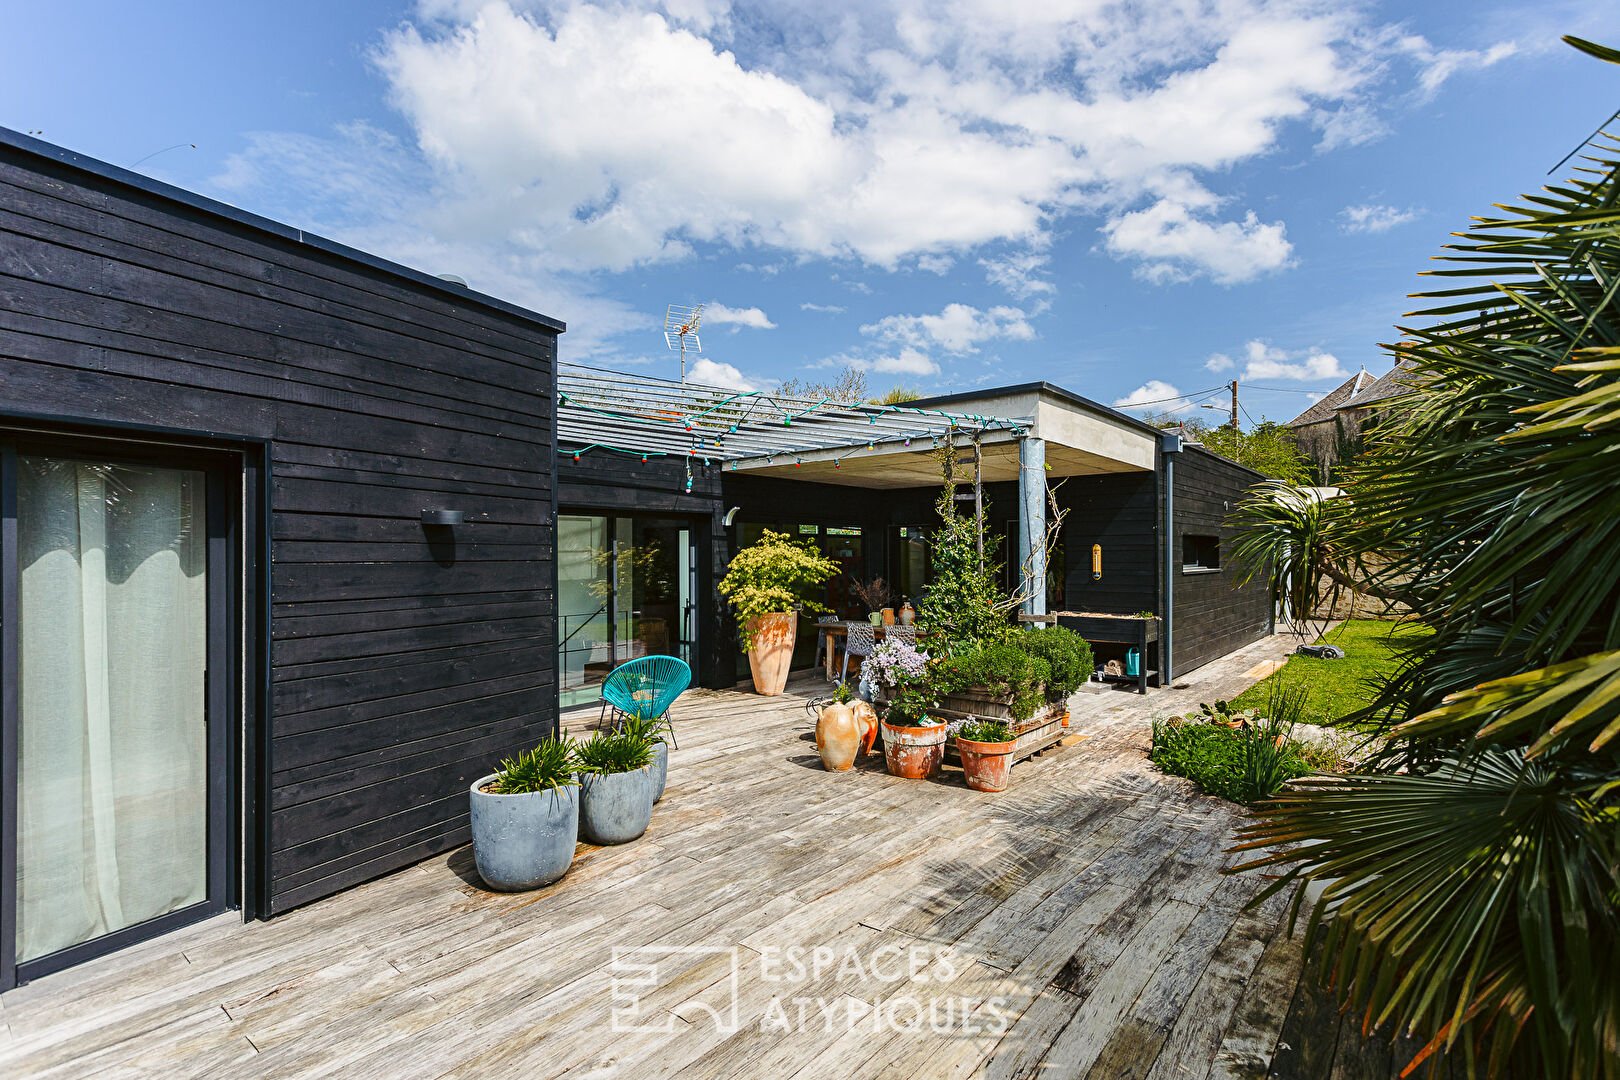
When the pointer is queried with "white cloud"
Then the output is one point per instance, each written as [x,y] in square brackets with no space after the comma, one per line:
[1016,274]
[1372,218]
[719,314]
[959,328]
[1438,65]
[1265,361]
[1219,362]
[708,372]
[1152,394]
[907,361]
[935,264]
[1176,245]
[831,309]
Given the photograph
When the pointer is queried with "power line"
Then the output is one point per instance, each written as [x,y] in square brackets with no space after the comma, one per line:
[1178,397]
[1281,389]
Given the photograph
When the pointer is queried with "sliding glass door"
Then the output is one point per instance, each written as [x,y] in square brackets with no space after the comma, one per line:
[114,738]
[625,590]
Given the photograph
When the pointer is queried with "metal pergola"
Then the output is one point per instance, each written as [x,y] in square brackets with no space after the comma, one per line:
[638,416]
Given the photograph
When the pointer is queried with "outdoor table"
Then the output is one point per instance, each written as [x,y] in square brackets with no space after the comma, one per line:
[836,630]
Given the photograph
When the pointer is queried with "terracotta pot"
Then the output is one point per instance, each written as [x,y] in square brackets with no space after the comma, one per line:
[914,752]
[838,737]
[771,654]
[986,765]
[888,616]
[908,614]
[866,718]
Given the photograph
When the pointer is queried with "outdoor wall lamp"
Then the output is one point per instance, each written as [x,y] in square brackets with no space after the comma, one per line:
[443,517]
[730,514]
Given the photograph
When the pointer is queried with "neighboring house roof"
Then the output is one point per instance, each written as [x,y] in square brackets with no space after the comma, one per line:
[1340,395]
[1387,385]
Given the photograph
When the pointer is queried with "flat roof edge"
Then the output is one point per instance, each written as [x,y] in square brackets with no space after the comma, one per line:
[1041,387]
[60,155]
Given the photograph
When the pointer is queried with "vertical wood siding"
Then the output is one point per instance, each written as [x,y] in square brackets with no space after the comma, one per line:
[402,665]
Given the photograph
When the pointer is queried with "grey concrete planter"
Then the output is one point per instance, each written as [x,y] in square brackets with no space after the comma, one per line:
[661,768]
[524,841]
[617,808]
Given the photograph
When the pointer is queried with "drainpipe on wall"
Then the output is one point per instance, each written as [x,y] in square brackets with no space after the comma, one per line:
[1171,446]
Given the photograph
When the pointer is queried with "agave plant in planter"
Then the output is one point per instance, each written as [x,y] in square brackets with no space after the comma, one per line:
[651,728]
[525,818]
[618,786]
[913,740]
[986,748]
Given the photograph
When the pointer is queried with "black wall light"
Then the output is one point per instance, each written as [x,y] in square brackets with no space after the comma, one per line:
[442,517]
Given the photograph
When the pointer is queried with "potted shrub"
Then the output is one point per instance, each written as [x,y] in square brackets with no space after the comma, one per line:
[617,785]
[525,818]
[913,741]
[1000,681]
[1068,661]
[879,600]
[986,749]
[768,584]
[893,665]
[652,729]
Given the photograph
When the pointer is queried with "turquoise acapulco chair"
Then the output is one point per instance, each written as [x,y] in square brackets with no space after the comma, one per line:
[648,687]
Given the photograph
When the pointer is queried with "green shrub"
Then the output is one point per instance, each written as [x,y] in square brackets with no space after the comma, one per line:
[1244,764]
[775,573]
[614,752]
[986,731]
[1067,656]
[650,728]
[1002,670]
[548,766]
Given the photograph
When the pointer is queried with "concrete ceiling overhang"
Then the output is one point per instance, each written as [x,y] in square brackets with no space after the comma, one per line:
[1080,441]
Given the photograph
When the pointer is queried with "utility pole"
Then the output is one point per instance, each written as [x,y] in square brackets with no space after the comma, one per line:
[1234,407]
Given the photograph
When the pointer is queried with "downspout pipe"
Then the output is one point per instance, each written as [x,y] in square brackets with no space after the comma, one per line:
[1169,447]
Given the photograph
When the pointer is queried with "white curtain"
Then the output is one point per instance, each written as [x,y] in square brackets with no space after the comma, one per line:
[112,746]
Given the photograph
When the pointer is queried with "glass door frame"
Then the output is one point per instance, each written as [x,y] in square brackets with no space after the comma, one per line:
[224,472]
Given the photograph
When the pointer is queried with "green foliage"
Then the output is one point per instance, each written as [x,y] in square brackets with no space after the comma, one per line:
[1340,691]
[774,574]
[1472,882]
[844,693]
[641,726]
[548,766]
[1268,449]
[1244,764]
[606,752]
[965,606]
[986,731]
[912,705]
[1067,656]
[1003,670]
[897,395]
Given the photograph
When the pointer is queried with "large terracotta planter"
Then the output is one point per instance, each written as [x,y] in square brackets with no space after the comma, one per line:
[913,752]
[986,765]
[771,654]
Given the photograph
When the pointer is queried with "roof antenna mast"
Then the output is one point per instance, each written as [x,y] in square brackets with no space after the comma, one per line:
[681,328]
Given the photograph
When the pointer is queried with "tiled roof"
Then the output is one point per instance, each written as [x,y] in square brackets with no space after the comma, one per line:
[1323,408]
[1386,385]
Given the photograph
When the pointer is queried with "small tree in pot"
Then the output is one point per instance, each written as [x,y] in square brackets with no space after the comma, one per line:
[768,583]
[618,787]
[525,818]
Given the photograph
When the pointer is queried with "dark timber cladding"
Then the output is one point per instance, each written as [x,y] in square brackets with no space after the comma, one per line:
[402,663]
[1211,616]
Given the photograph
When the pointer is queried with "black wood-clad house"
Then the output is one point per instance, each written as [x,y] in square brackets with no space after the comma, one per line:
[219,435]
[295,543]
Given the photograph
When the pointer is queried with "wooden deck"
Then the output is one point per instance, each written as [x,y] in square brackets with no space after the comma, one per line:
[1075,925]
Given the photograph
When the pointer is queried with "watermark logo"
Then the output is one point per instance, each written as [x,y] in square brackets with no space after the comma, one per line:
[638,971]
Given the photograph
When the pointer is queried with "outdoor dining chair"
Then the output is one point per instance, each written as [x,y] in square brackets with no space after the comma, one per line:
[907,634]
[646,687]
[821,637]
[861,641]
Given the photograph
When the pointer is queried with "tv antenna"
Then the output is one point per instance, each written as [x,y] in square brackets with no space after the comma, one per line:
[681,327]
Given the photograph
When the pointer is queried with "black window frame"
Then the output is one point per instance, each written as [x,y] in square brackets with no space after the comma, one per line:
[1200,553]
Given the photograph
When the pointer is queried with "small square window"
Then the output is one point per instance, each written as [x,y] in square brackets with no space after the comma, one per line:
[1200,552]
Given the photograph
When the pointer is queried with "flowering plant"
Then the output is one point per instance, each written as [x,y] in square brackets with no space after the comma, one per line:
[898,664]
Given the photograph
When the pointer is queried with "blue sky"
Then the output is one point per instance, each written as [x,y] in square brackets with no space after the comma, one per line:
[1132,201]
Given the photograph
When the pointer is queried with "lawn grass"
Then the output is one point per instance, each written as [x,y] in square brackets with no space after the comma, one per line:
[1337,688]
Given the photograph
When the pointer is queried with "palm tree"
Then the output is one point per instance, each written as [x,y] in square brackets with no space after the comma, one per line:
[1471,880]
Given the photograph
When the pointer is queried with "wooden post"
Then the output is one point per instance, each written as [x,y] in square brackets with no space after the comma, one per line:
[1032,523]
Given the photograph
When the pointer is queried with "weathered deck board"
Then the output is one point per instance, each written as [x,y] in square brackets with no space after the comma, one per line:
[1076,925]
